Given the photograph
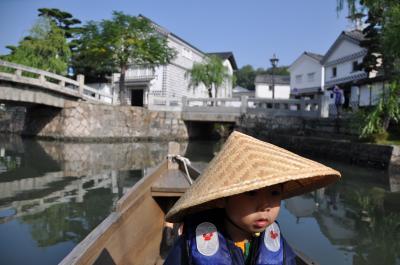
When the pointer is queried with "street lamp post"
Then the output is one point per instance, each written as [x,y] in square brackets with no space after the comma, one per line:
[274,61]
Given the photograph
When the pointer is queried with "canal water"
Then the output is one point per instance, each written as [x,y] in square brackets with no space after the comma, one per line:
[53,194]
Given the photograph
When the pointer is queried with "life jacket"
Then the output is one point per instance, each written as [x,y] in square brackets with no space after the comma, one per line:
[207,245]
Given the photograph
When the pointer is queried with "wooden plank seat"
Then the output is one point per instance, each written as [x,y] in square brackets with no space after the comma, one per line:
[172,183]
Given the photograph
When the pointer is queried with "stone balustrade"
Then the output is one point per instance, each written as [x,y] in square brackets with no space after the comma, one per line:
[49,81]
[274,107]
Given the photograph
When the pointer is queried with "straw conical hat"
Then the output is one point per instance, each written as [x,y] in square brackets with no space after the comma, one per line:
[244,164]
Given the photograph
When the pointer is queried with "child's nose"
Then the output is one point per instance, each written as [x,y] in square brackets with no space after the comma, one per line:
[264,203]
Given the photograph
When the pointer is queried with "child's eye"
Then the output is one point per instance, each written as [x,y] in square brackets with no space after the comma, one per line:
[251,193]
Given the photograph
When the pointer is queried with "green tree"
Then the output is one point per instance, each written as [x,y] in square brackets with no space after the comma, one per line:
[113,45]
[212,73]
[378,119]
[382,41]
[63,20]
[245,77]
[279,70]
[92,59]
[46,48]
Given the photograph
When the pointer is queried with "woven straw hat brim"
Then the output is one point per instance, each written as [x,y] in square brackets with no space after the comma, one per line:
[244,164]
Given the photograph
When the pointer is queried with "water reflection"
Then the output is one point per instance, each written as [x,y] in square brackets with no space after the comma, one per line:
[48,173]
[61,191]
[359,215]
[53,194]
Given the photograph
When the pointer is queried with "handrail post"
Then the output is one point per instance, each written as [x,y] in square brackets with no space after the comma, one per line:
[42,78]
[81,81]
[243,105]
[323,106]
[184,102]
[302,105]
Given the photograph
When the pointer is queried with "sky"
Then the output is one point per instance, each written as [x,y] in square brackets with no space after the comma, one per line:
[253,30]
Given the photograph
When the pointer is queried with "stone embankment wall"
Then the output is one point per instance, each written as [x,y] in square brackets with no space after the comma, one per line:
[394,170]
[325,138]
[96,122]
[323,127]
[12,120]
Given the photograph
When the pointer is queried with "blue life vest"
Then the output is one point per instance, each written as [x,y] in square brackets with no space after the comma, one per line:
[207,245]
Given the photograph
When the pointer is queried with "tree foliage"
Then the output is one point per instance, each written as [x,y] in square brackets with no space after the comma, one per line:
[112,45]
[382,33]
[382,41]
[62,19]
[279,70]
[46,48]
[246,75]
[378,119]
[212,73]
[91,58]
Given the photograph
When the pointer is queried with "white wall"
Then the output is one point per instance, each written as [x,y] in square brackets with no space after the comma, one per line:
[302,67]
[344,48]
[105,88]
[370,94]
[186,55]
[171,83]
[264,91]
[344,69]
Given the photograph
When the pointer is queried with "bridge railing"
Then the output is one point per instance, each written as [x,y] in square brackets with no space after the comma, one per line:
[164,98]
[212,105]
[77,88]
[283,107]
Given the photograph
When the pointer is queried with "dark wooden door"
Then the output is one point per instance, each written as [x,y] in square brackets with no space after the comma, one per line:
[137,97]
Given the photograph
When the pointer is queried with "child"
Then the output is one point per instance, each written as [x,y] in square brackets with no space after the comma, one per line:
[229,213]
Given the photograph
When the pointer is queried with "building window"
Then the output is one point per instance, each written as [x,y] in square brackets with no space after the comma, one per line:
[310,77]
[356,66]
[334,71]
[299,79]
[187,53]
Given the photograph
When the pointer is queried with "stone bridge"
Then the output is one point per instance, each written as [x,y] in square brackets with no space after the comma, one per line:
[26,86]
[231,109]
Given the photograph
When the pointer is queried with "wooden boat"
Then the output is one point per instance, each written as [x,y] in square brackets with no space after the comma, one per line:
[135,233]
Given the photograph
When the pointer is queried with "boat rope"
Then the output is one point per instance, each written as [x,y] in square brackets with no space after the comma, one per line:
[185,161]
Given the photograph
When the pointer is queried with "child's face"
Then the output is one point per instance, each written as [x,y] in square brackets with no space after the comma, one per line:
[255,210]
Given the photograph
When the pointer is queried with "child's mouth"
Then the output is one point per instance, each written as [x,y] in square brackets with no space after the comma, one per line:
[262,223]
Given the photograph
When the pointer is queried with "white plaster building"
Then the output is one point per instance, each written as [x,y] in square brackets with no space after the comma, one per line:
[263,84]
[239,91]
[342,68]
[307,75]
[162,88]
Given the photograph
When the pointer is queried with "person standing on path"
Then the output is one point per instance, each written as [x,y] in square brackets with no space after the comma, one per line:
[339,100]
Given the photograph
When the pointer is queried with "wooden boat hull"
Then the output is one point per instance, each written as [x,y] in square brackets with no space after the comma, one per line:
[132,234]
